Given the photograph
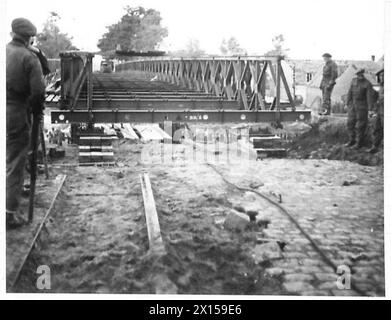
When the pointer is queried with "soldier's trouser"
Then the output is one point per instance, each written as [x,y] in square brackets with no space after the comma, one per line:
[377,133]
[18,139]
[326,98]
[357,123]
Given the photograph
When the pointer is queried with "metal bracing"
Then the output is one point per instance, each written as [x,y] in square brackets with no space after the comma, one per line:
[248,80]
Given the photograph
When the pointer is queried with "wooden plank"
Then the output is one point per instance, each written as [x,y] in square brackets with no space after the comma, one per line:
[101,153]
[272,152]
[274,137]
[128,132]
[97,164]
[151,132]
[151,216]
[95,148]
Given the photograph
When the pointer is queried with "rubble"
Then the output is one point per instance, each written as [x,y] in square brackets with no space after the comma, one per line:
[351,180]
[163,285]
[237,221]
[266,252]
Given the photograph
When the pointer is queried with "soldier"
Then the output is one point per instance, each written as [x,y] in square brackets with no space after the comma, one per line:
[330,74]
[378,119]
[25,91]
[359,100]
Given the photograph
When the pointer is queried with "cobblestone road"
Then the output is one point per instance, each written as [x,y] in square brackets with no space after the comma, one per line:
[339,204]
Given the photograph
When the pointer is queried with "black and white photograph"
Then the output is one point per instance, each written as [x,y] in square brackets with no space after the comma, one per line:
[195,148]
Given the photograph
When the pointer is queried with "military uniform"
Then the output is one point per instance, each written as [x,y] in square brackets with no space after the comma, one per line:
[25,93]
[330,74]
[378,121]
[359,100]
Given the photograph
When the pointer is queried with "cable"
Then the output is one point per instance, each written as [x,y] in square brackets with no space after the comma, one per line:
[293,220]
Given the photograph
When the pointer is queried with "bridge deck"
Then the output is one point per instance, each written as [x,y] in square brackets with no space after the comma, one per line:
[127,91]
[131,97]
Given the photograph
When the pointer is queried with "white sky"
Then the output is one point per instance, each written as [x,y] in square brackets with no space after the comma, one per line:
[349,29]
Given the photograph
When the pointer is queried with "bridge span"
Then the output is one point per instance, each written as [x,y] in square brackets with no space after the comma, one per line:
[205,90]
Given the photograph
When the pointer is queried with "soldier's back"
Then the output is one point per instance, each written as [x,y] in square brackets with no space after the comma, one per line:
[20,63]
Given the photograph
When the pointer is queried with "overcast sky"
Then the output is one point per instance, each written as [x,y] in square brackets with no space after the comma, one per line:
[349,29]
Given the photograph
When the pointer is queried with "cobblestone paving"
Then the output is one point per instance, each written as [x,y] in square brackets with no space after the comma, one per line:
[339,204]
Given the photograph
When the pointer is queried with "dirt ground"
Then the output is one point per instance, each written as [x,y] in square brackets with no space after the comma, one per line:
[97,240]
[19,240]
[326,140]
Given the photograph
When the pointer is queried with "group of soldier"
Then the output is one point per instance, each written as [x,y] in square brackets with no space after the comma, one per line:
[362,102]
[26,67]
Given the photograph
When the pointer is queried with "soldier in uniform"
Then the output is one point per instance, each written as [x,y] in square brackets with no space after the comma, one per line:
[330,74]
[25,93]
[359,101]
[378,119]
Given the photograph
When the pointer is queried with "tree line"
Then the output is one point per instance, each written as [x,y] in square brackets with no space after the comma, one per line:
[139,29]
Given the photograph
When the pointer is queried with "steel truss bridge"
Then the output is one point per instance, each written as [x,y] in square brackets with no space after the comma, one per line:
[205,90]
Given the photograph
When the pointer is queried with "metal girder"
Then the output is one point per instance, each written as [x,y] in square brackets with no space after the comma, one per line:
[150,93]
[156,116]
[109,95]
[165,104]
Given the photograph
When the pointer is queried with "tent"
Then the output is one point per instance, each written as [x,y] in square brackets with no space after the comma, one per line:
[314,94]
[344,81]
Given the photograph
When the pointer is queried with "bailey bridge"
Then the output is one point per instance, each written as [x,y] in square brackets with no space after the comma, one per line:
[147,90]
